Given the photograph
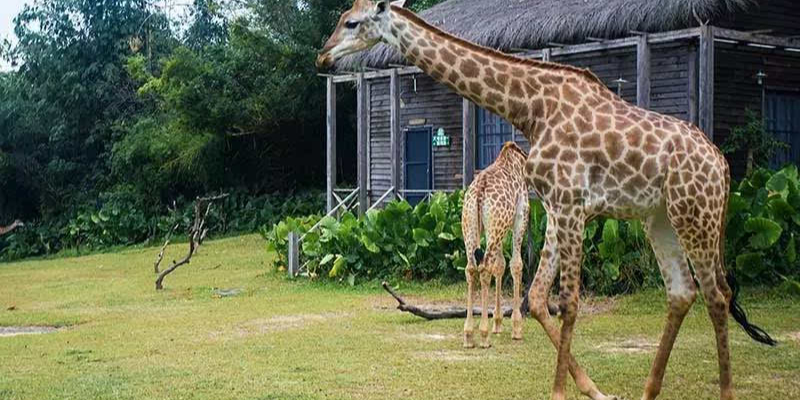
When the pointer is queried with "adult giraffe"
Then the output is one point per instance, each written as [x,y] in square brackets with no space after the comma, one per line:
[591,154]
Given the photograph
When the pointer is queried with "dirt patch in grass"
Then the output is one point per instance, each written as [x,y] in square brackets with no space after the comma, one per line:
[794,336]
[454,355]
[429,337]
[7,331]
[280,323]
[635,345]
[595,305]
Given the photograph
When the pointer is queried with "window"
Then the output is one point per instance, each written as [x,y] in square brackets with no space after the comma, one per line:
[782,117]
[492,132]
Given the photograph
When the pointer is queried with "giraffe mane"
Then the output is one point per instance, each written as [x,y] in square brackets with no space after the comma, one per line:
[511,146]
[498,54]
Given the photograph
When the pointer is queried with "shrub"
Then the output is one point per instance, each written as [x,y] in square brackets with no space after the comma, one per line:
[425,242]
[763,226]
[121,218]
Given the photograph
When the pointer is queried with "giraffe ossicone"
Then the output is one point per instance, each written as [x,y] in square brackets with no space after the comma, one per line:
[591,154]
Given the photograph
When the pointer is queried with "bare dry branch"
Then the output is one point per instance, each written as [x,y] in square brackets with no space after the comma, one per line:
[451,312]
[197,233]
[160,256]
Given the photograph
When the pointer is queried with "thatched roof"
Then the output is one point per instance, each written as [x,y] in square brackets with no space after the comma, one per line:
[531,24]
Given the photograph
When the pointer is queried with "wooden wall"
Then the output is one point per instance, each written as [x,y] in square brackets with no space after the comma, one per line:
[379,170]
[736,87]
[439,106]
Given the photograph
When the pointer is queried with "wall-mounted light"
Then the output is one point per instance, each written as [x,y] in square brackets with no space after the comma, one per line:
[619,83]
[760,76]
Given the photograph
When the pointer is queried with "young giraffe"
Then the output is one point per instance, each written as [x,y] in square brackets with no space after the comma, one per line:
[496,201]
[591,154]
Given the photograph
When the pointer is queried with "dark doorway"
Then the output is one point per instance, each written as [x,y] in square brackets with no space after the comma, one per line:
[782,116]
[418,163]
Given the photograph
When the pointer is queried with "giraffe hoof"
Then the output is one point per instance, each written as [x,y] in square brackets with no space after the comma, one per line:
[516,337]
[486,345]
[469,345]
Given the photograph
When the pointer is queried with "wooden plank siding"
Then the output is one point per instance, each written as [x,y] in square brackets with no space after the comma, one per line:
[380,163]
[736,86]
[441,108]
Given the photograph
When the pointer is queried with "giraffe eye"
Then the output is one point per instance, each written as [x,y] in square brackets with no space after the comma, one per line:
[351,24]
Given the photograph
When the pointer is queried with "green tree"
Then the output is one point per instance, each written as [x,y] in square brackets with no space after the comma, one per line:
[752,138]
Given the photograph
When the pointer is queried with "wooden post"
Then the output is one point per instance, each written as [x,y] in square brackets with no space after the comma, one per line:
[706,81]
[294,254]
[361,111]
[394,129]
[330,179]
[546,54]
[691,87]
[468,133]
[643,72]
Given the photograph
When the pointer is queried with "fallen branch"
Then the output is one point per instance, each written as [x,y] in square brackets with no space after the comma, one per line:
[452,312]
[197,233]
[14,225]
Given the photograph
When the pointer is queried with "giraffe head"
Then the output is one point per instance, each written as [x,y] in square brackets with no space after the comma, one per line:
[359,28]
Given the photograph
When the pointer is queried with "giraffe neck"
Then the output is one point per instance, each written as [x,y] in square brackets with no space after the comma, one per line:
[521,91]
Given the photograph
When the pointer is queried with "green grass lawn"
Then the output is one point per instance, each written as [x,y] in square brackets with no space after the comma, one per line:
[120,339]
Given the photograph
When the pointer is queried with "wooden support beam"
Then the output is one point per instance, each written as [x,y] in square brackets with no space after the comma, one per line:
[706,81]
[468,132]
[361,142]
[394,129]
[330,133]
[691,88]
[643,72]
[546,54]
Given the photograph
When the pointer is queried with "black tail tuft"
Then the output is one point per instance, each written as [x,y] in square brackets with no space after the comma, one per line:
[738,314]
[478,256]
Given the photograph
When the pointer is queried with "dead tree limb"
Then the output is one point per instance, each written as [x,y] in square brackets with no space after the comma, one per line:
[197,233]
[451,312]
[160,256]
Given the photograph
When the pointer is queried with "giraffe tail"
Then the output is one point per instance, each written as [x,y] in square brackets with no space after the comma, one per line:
[738,314]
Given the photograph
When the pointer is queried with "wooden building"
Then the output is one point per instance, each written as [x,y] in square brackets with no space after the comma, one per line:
[416,136]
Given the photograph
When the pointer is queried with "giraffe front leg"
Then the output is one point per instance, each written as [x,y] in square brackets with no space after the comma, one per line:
[469,324]
[516,315]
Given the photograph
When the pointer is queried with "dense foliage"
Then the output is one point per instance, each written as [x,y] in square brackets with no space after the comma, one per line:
[120,221]
[125,104]
[425,241]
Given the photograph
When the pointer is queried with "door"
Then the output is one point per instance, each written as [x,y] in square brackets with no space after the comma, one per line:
[418,163]
[782,117]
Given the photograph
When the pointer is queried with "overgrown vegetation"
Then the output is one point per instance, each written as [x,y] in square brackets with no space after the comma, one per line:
[119,109]
[425,241]
[120,221]
[752,138]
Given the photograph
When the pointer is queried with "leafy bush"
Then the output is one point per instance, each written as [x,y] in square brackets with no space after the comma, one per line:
[425,241]
[763,226]
[122,219]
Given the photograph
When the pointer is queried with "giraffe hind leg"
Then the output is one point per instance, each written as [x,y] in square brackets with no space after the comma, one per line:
[681,292]
[521,220]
